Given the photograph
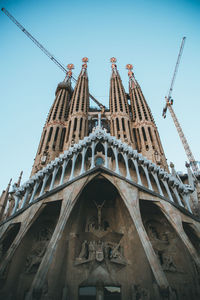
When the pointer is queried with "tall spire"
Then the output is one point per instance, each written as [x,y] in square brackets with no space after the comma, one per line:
[145,132]
[119,108]
[53,135]
[4,199]
[79,106]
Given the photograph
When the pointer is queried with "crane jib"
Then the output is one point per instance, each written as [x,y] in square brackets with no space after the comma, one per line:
[52,57]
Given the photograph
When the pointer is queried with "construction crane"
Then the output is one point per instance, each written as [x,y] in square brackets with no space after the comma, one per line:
[169,103]
[52,57]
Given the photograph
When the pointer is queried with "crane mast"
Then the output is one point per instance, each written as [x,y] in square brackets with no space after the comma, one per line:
[52,57]
[169,103]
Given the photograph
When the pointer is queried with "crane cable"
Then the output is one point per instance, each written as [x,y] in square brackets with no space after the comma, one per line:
[51,56]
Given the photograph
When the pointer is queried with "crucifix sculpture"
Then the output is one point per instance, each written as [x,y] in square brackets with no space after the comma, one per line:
[99,208]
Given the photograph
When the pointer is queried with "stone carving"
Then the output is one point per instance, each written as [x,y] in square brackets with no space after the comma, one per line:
[35,256]
[168,264]
[99,242]
[99,250]
[139,293]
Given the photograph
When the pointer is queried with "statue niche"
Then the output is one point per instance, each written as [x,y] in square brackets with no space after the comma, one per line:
[99,241]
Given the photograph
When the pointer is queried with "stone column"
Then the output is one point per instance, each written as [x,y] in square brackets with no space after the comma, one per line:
[70,198]
[131,199]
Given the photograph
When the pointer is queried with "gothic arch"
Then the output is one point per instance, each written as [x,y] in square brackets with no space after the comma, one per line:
[99,148]
[83,228]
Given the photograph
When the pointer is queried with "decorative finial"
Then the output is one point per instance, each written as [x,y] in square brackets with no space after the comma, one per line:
[85,60]
[70,67]
[129,67]
[113,60]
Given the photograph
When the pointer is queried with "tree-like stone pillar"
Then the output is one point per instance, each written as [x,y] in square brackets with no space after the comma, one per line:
[69,201]
[139,181]
[83,161]
[73,165]
[44,183]
[55,171]
[63,171]
[131,200]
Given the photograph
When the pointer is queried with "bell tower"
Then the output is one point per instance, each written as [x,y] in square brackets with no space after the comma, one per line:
[145,132]
[54,131]
[79,106]
[119,109]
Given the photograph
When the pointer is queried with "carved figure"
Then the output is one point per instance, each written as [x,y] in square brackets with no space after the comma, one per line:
[116,251]
[34,259]
[99,208]
[168,264]
[140,293]
[92,250]
[84,250]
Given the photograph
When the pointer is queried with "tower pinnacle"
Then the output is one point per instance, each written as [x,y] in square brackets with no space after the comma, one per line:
[145,132]
[119,108]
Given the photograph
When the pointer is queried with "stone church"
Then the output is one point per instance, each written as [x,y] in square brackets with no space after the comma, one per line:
[102,216]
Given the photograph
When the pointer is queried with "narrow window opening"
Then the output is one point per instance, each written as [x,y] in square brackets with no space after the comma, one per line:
[62,138]
[144,134]
[42,142]
[75,124]
[123,125]
[117,124]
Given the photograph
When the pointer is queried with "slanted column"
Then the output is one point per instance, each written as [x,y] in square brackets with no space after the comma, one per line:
[155,176]
[137,171]
[130,197]
[128,176]
[106,154]
[92,158]
[17,199]
[34,191]
[147,177]
[167,189]
[177,196]
[44,183]
[63,171]
[69,202]
[73,165]
[116,160]
[28,190]
[186,199]
[55,171]
[83,161]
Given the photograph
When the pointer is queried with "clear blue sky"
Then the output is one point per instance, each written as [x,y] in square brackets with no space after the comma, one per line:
[142,32]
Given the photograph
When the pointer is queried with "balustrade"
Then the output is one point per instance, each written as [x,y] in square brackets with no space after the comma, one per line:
[38,183]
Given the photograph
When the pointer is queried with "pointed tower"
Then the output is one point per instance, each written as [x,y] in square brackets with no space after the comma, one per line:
[144,129]
[4,199]
[78,110]
[119,109]
[53,135]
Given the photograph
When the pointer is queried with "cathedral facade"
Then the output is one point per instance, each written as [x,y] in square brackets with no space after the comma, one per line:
[101,216]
